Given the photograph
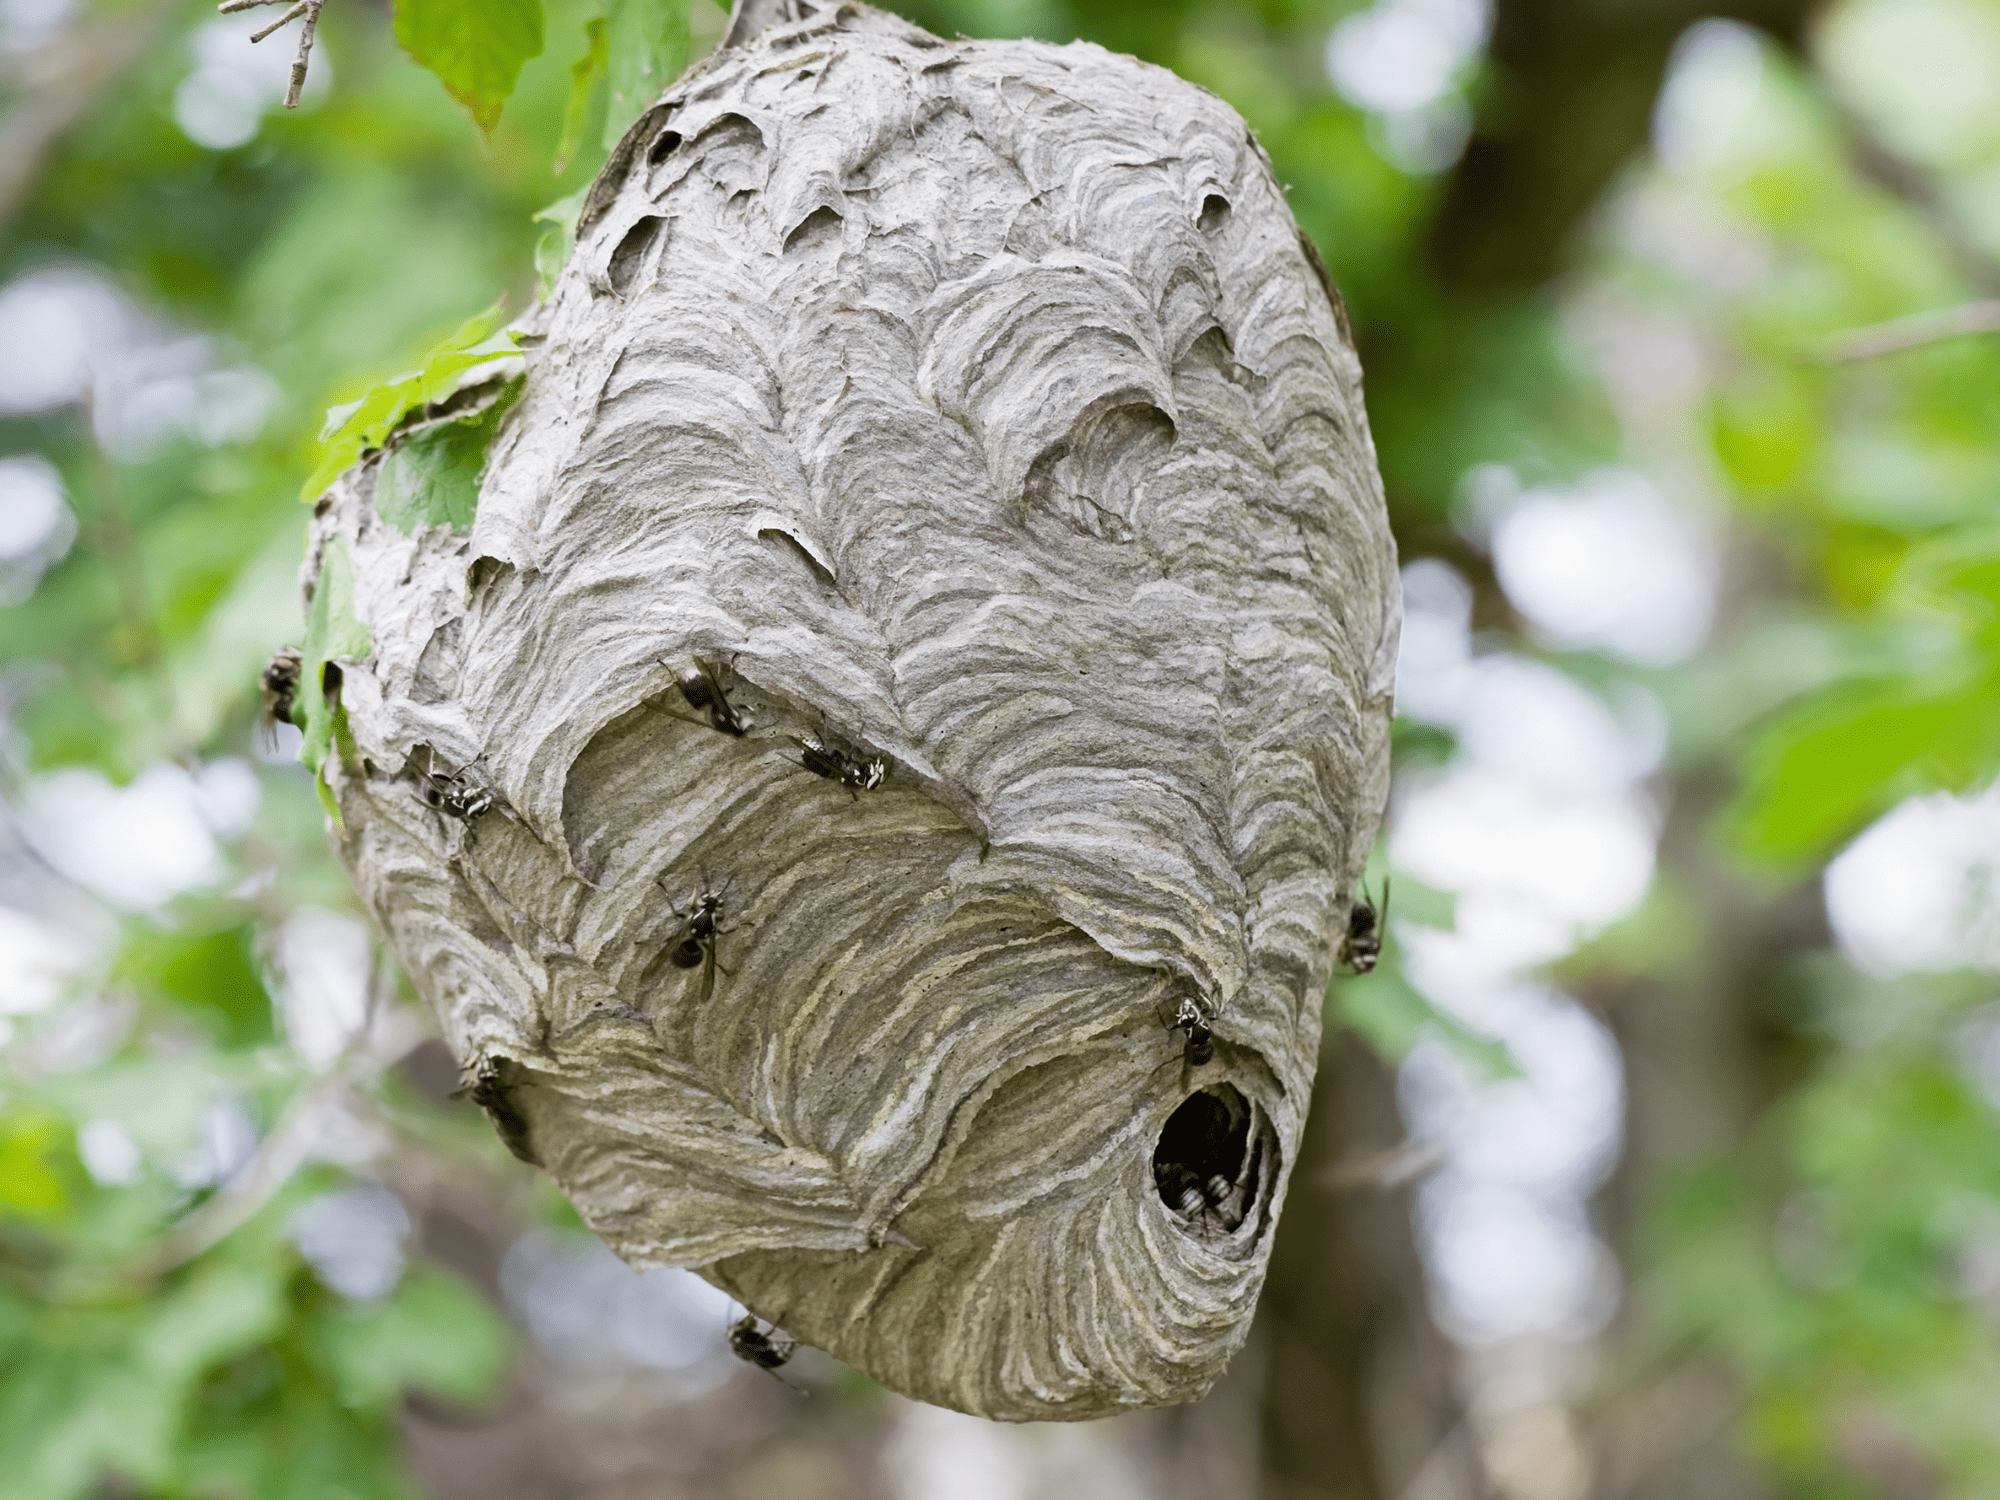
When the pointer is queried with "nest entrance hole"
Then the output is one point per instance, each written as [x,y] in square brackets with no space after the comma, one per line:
[1205,1163]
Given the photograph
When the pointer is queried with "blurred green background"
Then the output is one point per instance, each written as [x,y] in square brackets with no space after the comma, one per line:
[1660,1157]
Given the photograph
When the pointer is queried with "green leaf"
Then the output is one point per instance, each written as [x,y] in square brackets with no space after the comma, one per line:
[367,422]
[646,45]
[29,1184]
[223,1309]
[1820,772]
[476,47]
[1960,576]
[211,974]
[1815,774]
[333,631]
[583,73]
[552,251]
[73,1414]
[431,476]
[274,1425]
[434,1334]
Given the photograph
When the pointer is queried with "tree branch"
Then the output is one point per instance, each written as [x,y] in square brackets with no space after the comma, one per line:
[307,8]
[1573,89]
[1915,331]
[1875,161]
[291,15]
[68,74]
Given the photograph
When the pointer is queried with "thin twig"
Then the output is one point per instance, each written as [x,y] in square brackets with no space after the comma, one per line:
[305,51]
[307,8]
[1453,1469]
[291,15]
[1385,1170]
[299,1131]
[278,1156]
[1918,191]
[1913,332]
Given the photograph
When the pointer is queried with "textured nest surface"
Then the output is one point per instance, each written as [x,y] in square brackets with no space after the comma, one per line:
[974,408]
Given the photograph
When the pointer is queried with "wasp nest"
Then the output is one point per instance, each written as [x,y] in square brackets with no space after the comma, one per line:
[874,789]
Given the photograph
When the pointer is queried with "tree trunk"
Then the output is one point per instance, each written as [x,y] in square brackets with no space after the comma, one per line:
[1358,1389]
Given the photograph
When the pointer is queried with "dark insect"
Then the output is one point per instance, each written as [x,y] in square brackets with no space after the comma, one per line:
[1363,944]
[493,1089]
[1205,1163]
[701,685]
[693,942]
[453,794]
[765,1347]
[279,682]
[857,776]
[1199,1049]
[1216,1201]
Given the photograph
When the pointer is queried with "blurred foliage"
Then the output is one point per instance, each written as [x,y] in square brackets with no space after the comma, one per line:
[1924,713]
[1849,1271]
[1832,1257]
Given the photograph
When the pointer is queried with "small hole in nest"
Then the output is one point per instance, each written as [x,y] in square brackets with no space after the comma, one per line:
[1204,1167]
[485,571]
[1214,209]
[630,255]
[663,146]
[821,223]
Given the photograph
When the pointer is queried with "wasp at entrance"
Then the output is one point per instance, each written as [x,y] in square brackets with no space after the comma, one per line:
[495,1087]
[1206,1163]
[1209,1204]
[1198,1051]
[1365,929]
[762,1346]
[701,685]
[822,759]
[278,686]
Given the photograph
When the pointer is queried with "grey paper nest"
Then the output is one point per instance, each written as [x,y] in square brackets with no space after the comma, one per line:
[976,409]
